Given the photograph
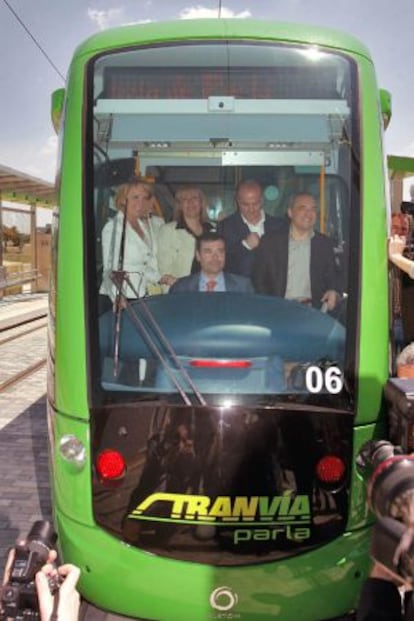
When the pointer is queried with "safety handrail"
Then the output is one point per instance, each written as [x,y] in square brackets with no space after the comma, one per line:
[12,279]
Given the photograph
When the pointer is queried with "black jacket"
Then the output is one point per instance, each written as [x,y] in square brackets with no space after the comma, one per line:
[379,600]
[239,259]
[271,265]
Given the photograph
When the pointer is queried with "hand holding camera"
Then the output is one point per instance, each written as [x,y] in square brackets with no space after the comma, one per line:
[62,603]
[33,588]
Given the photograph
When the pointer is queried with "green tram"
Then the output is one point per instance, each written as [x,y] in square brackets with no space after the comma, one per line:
[203,446]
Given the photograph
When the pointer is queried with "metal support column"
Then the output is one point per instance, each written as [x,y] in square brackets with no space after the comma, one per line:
[33,244]
[2,268]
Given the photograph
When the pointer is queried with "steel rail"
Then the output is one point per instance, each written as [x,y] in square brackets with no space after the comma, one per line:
[20,334]
[17,377]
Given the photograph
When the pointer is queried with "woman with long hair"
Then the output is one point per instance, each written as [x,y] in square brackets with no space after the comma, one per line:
[177,239]
[129,244]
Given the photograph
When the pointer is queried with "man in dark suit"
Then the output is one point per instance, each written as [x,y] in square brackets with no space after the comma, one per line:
[242,230]
[297,262]
[211,254]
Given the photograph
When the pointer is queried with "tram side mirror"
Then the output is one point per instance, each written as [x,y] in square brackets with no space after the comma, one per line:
[386,106]
[57,102]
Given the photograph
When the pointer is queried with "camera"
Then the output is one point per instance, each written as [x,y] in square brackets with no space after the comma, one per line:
[18,596]
[407,208]
[389,474]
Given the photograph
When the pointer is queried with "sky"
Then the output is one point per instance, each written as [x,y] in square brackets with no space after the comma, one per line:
[27,139]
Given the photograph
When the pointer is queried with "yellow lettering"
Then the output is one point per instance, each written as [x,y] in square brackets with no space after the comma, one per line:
[285,504]
[268,507]
[178,501]
[221,507]
[245,507]
[300,506]
[197,506]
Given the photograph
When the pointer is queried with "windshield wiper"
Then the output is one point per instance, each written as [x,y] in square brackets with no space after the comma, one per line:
[119,278]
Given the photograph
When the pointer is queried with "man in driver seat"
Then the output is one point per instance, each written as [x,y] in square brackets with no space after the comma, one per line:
[297,262]
[211,254]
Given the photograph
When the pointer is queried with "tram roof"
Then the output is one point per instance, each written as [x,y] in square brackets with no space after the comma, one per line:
[19,187]
[199,29]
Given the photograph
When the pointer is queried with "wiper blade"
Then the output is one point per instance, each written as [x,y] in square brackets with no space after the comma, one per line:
[119,278]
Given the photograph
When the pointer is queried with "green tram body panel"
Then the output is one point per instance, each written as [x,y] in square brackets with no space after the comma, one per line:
[317,584]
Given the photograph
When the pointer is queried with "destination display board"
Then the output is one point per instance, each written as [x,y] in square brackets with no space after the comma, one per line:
[299,82]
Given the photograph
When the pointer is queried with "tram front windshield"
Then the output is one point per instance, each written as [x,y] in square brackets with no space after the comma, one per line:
[192,122]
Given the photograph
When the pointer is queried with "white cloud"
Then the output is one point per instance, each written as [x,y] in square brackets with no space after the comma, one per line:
[138,21]
[201,12]
[50,146]
[105,19]
[410,149]
[33,158]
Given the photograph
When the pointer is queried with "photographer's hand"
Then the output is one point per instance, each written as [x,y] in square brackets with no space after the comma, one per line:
[382,573]
[64,605]
[9,563]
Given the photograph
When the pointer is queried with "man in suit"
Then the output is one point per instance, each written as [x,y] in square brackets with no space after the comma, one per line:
[297,262]
[211,254]
[242,230]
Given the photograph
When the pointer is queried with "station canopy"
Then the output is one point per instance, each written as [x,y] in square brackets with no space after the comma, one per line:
[19,187]
[400,167]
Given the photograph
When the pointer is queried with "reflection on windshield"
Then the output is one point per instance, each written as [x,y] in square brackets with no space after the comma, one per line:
[228,343]
[222,221]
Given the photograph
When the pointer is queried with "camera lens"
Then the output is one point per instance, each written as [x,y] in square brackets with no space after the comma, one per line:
[9,594]
[41,539]
[392,487]
[42,530]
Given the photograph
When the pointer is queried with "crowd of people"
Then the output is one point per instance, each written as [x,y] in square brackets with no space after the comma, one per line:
[285,256]
[402,264]
[249,251]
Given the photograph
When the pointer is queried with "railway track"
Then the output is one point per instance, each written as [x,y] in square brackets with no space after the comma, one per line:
[36,324]
[19,352]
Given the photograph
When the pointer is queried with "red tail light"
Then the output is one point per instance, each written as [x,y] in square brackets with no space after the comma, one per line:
[330,469]
[221,364]
[110,465]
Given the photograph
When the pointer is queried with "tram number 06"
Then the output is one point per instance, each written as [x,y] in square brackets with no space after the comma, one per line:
[318,379]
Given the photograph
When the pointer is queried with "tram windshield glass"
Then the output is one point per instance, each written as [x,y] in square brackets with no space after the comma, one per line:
[193,121]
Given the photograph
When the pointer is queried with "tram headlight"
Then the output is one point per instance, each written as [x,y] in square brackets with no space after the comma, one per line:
[72,450]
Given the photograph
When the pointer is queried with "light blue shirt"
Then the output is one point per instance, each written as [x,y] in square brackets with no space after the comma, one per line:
[220,286]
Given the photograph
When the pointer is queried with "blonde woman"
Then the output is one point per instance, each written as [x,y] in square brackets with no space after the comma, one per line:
[134,202]
[177,239]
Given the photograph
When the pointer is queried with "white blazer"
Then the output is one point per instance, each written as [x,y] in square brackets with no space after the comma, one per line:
[175,250]
[140,255]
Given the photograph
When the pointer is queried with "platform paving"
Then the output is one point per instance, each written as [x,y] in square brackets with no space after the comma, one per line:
[15,309]
[24,479]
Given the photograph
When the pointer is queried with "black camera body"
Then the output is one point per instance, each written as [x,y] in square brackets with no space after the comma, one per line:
[389,474]
[18,596]
[407,207]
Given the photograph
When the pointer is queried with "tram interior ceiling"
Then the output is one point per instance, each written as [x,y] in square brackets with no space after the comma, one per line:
[24,249]
[284,122]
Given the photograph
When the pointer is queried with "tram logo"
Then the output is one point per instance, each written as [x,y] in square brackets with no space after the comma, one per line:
[223,599]
[286,509]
